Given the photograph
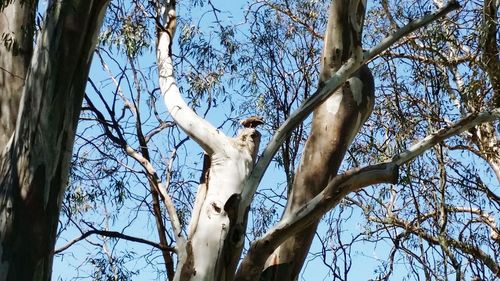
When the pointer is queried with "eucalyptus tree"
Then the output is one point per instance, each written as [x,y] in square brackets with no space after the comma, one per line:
[232,177]
[446,202]
[121,159]
[41,91]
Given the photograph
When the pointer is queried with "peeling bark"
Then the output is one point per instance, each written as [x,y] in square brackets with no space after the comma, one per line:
[34,165]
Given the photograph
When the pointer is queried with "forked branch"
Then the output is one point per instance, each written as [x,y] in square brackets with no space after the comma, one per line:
[307,107]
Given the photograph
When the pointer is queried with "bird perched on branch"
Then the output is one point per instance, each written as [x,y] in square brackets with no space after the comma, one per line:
[252,122]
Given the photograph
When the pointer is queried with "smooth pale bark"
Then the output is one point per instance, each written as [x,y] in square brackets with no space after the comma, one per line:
[334,125]
[34,165]
[217,227]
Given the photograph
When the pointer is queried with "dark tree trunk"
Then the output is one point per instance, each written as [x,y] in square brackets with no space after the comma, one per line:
[34,164]
[335,123]
[16,49]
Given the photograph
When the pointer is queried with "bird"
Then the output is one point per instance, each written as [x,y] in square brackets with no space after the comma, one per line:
[252,122]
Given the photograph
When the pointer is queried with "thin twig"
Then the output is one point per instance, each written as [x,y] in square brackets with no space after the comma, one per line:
[113,234]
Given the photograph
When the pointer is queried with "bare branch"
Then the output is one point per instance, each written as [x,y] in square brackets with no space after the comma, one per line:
[169,205]
[446,242]
[409,28]
[444,133]
[113,234]
[286,11]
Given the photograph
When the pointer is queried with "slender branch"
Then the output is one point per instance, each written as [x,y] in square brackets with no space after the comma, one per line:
[286,11]
[113,234]
[129,105]
[444,133]
[145,163]
[154,181]
[158,129]
[329,88]
[142,159]
[169,205]
[409,28]
[335,191]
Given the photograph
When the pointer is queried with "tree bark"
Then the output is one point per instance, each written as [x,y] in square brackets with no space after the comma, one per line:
[16,48]
[34,164]
[334,125]
[484,136]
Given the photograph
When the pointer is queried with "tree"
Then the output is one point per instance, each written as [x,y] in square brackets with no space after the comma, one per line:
[41,88]
[226,210]
[210,245]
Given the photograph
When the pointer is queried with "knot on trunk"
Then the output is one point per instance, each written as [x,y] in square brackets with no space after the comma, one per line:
[252,122]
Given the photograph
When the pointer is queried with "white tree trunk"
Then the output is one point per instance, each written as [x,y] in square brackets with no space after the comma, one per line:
[216,230]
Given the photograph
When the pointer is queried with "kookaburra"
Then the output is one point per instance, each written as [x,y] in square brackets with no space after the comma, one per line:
[252,122]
